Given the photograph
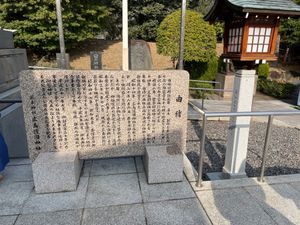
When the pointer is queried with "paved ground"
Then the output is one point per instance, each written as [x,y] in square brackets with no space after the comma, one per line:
[115,191]
[112,191]
[267,105]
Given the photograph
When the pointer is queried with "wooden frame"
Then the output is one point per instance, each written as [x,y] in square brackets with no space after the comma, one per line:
[261,21]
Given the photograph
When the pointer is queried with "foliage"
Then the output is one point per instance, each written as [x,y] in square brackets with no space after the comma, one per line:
[290,31]
[219,28]
[200,37]
[263,71]
[36,22]
[276,89]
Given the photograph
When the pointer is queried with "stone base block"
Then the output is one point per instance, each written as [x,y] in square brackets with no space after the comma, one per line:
[228,175]
[56,171]
[163,164]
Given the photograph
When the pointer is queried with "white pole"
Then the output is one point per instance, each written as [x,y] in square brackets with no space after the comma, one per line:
[125,35]
[182,26]
[61,35]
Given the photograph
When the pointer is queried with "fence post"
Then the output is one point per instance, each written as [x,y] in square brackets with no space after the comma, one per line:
[201,154]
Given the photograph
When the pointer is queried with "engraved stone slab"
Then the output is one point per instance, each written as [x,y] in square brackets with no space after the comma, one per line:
[104,113]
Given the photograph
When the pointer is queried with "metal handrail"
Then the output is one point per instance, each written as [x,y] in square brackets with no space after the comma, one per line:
[205,81]
[270,114]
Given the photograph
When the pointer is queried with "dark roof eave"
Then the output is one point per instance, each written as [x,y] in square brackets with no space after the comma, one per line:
[271,11]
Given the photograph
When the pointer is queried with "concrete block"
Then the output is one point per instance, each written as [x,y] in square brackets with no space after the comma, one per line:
[163,164]
[56,171]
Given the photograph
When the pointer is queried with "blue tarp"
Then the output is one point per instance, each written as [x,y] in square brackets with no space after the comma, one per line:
[3,154]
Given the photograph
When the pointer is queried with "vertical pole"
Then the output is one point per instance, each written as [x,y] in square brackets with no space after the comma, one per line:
[125,35]
[61,35]
[265,152]
[182,26]
[201,154]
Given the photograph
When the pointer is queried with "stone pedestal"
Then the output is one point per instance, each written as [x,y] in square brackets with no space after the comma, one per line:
[226,82]
[163,164]
[237,143]
[56,171]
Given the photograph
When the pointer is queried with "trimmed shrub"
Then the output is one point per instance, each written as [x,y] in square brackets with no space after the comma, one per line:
[200,37]
[263,71]
[275,89]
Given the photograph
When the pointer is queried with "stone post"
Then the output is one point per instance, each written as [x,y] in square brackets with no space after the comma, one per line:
[237,141]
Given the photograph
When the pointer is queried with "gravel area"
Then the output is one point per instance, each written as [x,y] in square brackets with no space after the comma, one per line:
[283,155]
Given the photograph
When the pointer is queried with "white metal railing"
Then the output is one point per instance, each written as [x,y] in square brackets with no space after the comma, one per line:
[270,115]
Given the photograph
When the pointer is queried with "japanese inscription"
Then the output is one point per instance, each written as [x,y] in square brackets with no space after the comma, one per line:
[104,113]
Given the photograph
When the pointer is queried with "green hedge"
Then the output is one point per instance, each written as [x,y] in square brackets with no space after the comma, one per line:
[263,71]
[275,89]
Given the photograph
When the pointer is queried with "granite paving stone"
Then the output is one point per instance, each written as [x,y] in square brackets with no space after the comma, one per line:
[165,191]
[233,206]
[113,166]
[7,220]
[72,217]
[19,161]
[86,169]
[113,215]
[281,202]
[139,164]
[13,196]
[57,201]
[176,212]
[296,186]
[18,173]
[113,190]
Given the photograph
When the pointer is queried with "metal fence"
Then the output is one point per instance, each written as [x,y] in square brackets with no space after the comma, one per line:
[205,90]
[269,114]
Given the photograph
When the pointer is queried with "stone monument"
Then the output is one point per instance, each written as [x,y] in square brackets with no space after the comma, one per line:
[12,127]
[96,60]
[140,55]
[103,114]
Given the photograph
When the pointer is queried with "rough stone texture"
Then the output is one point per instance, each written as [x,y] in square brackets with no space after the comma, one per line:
[87,166]
[56,171]
[166,191]
[125,215]
[104,113]
[13,196]
[113,166]
[140,55]
[178,212]
[7,220]
[113,190]
[280,201]
[163,164]
[233,206]
[12,61]
[57,201]
[72,217]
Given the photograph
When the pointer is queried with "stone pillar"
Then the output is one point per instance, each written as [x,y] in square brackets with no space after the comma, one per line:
[237,141]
